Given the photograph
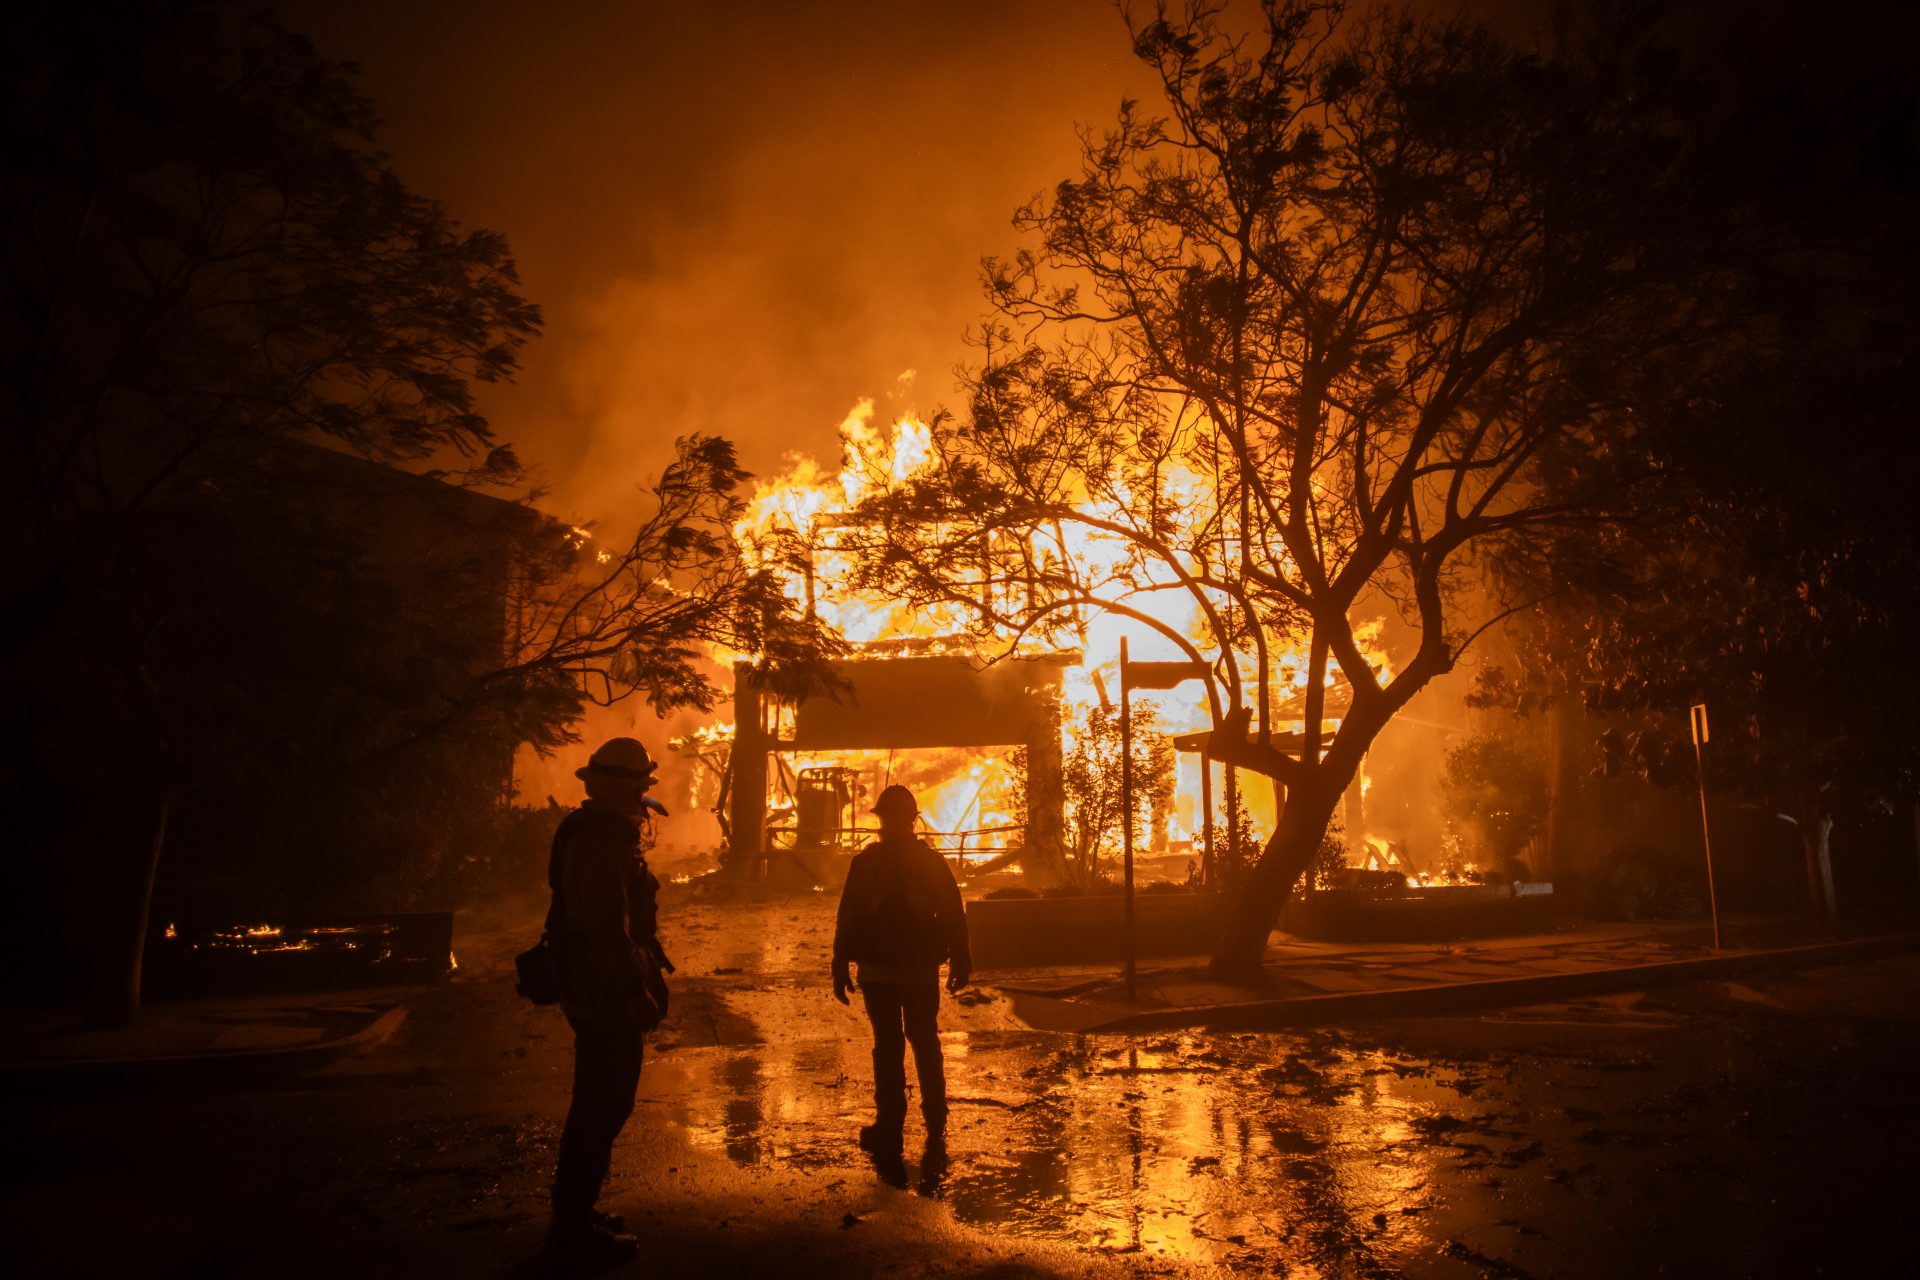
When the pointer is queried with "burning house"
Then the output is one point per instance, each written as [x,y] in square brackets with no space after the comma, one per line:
[935,721]
[997,735]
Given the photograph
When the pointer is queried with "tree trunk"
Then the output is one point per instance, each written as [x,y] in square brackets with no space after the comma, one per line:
[745,856]
[1242,949]
[1563,789]
[130,850]
[1354,808]
[1047,858]
[1816,827]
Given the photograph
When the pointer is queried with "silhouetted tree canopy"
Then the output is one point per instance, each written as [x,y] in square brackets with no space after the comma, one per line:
[1364,306]
[1768,573]
[213,288]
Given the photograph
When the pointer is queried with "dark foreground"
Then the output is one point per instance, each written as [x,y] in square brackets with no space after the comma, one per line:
[1725,1129]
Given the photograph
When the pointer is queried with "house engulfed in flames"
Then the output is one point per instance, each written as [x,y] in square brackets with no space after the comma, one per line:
[981,743]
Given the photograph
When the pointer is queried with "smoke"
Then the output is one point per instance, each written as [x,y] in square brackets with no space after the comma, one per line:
[740,218]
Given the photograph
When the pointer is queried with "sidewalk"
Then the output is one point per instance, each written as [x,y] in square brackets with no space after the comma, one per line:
[1311,982]
[241,1041]
[196,1042]
[236,1040]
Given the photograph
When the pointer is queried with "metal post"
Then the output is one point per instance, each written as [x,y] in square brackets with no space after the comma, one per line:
[1126,808]
[1207,863]
[1699,722]
[1230,778]
[1916,830]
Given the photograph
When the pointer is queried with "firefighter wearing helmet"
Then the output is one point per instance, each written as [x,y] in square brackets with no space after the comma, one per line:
[900,919]
[603,926]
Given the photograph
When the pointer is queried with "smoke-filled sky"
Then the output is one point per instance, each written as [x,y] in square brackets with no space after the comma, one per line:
[741,216]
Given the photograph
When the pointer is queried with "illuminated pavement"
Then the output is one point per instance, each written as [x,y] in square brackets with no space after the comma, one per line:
[1319,983]
[1708,1128]
[1487,1144]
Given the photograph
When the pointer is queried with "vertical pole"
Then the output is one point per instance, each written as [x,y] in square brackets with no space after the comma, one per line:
[1699,720]
[1230,777]
[1126,809]
[1206,829]
[1354,803]
[1916,831]
[1046,786]
[746,853]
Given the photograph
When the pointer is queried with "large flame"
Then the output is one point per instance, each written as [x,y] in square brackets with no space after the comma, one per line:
[795,524]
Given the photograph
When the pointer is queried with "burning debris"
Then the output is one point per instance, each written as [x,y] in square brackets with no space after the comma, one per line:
[305,954]
[978,719]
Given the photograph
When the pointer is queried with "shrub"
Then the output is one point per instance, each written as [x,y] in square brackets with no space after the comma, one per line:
[1496,790]
[1645,882]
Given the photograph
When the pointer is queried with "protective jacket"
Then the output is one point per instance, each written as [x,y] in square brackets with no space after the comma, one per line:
[901,916]
[604,915]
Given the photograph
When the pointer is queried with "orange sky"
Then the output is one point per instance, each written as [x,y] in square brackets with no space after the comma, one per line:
[740,216]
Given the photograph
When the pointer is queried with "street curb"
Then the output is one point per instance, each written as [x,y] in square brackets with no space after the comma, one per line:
[176,1070]
[1255,1015]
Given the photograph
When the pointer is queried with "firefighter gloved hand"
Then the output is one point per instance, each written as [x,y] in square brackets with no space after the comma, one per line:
[957,976]
[842,982]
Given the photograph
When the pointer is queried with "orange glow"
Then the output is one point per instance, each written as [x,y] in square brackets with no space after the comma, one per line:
[796,524]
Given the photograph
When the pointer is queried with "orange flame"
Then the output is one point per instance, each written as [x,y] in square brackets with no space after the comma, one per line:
[793,525]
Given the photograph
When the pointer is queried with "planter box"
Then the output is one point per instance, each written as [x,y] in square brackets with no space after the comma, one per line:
[1420,915]
[1020,931]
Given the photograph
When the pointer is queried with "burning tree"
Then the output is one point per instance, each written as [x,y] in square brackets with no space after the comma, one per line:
[1296,354]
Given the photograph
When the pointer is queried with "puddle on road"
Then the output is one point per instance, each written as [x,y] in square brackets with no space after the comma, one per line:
[1449,1150]
[1197,1148]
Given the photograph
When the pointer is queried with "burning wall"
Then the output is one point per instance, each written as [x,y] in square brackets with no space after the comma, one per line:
[941,705]
[798,525]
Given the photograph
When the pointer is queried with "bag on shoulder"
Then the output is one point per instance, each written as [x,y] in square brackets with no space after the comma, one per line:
[540,979]
[541,974]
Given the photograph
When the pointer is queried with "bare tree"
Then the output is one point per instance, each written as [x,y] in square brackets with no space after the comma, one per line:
[1297,352]
[599,624]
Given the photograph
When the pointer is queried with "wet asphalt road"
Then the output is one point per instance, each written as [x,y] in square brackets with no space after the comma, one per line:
[1713,1129]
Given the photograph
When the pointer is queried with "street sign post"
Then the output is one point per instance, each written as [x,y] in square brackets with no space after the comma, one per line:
[1698,718]
[1126,813]
[1138,675]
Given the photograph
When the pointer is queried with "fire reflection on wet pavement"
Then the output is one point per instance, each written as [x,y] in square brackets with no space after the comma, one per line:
[1453,1146]
[1715,1128]
[1195,1148]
